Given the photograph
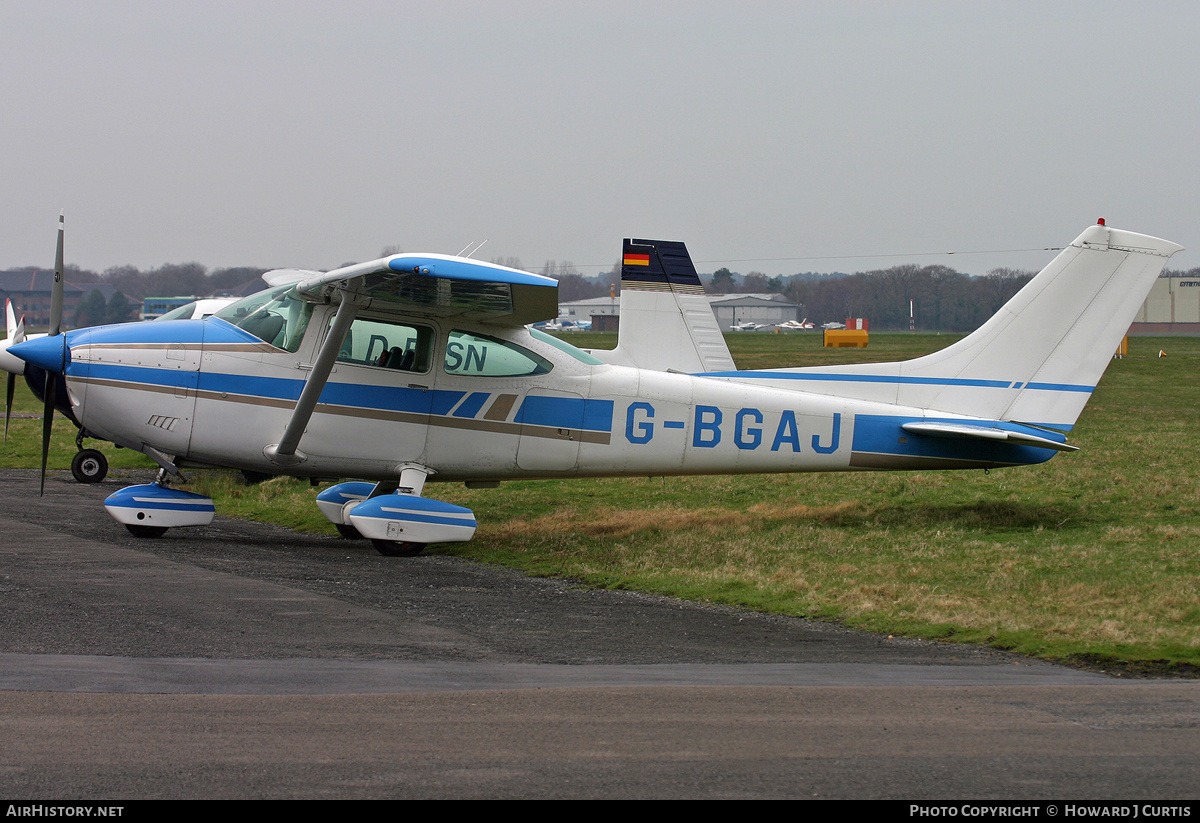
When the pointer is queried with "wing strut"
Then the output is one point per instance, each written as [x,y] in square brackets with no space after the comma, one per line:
[284,452]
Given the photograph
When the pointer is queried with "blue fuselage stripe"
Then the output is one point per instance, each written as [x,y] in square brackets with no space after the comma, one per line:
[884,378]
[559,412]
[566,412]
[471,406]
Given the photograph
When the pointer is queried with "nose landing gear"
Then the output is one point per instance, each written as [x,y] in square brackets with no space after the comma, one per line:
[89,466]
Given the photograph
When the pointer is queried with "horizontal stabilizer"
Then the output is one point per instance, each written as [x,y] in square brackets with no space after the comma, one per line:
[962,431]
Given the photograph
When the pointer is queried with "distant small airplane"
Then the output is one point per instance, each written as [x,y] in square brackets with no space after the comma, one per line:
[10,363]
[15,334]
[832,326]
[197,309]
[795,325]
[419,367]
[747,326]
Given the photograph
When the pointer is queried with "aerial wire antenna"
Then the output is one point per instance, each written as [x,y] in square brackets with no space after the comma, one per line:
[472,251]
[845,256]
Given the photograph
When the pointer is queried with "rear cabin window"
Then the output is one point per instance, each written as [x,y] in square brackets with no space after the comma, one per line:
[564,346]
[477,355]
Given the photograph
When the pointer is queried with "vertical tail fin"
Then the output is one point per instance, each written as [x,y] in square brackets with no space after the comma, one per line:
[666,321]
[1039,357]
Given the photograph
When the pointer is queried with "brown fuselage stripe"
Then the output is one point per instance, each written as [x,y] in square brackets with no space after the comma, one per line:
[196,347]
[415,418]
[500,407]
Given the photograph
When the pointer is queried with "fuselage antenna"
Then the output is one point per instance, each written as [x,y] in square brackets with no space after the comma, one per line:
[477,248]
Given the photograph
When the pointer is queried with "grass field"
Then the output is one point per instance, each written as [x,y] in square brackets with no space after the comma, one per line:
[1093,557]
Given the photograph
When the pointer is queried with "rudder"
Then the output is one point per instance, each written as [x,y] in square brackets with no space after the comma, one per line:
[666,320]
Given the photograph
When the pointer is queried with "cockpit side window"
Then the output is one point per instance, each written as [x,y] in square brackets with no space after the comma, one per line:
[275,316]
[477,355]
[388,345]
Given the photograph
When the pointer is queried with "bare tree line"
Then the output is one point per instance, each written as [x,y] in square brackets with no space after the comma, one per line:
[943,299]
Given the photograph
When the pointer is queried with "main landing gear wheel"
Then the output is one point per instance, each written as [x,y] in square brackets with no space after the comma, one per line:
[89,466]
[394,548]
[146,531]
[347,531]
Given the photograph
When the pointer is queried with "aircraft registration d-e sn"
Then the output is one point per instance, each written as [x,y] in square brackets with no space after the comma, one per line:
[421,367]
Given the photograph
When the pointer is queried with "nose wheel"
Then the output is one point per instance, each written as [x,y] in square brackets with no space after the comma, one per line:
[89,466]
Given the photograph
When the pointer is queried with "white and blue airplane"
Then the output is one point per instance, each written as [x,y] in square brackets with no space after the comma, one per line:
[422,367]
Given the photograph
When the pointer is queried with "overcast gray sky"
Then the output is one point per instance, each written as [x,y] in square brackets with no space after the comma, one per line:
[764,134]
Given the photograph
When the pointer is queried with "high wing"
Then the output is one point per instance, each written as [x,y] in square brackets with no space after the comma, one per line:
[434,285]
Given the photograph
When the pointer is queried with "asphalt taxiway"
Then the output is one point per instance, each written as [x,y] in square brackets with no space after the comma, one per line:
[248,661]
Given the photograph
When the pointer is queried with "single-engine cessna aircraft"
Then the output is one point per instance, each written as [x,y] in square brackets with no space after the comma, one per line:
[422,367]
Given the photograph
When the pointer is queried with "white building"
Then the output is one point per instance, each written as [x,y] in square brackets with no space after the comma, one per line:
[763,309]
[1172,307]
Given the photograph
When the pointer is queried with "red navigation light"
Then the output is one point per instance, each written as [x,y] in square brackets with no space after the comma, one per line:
[1100,222]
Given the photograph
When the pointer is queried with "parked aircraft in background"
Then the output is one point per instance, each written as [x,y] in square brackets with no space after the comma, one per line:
[795,325]
[197,309]
[420,367]
[15,334]
[10,363]
[747,326]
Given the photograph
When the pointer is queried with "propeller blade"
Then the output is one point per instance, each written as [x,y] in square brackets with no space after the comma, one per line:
[8,400]
[56,310]
[56,297]
[47,425]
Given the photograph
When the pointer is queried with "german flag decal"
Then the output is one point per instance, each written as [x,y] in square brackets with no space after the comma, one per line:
[637,260]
